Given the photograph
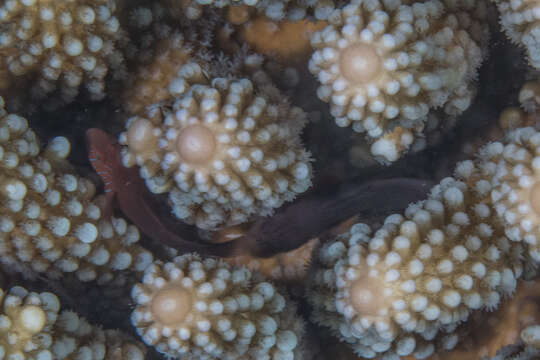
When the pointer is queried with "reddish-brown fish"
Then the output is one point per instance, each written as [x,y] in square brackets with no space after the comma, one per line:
[125,186]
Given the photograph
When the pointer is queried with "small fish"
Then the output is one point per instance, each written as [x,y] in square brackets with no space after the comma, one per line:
[100,152]
[125,187]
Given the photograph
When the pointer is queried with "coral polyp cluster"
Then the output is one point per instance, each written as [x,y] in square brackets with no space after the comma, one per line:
[387,64]
[203,309]
[247,180]
[273,9]
[64,45]
[514,171]
[520,21]
[222,152]
[405,289]
[33,328]
[48,221]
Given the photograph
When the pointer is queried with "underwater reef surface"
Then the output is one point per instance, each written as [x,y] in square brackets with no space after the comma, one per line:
[269,179]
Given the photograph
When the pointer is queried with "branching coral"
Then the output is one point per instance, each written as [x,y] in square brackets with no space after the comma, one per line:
[388,63]
[61,45]
[150,85]
[520,20]
[204,309]
[32,328]
[222,152]
[513,168]
[48,223]
[404,289]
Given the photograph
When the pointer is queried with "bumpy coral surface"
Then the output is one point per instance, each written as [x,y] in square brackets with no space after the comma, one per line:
[31,327]
[203,309]
[404,289]
[513,168]
[388,63]
[24,316]
[273,9]
[65,45]
[150,85]
[48,222]
[222,152]
[521,22]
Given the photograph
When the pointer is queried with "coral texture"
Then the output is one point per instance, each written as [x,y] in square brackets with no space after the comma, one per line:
[520,21]
[65,45]
[48,222]
[150,85]
[404,289]
[203,309]
[388,63]
[513,168]
[222,152]
[273,9]
[31,327]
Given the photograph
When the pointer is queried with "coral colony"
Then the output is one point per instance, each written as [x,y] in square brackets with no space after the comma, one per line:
[217,226]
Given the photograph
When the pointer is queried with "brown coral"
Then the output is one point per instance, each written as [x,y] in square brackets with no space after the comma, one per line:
[204,309]
[32,328]
[63,45]
[222,152]
[48,222]
[387,64]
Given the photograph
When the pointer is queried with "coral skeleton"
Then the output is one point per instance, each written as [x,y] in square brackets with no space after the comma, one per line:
[31,327]
[222,153]
[197,308]
[388,63]
[64,45]
[48,221]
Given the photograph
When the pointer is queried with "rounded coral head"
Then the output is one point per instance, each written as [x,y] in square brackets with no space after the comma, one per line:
[360,63]
[196,144]
[223,152]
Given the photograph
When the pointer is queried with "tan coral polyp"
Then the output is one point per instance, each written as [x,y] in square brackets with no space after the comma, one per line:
[171,305]
[535,198]
[140,135]
[33,319]
[367,296]
[360,63]
[196,144]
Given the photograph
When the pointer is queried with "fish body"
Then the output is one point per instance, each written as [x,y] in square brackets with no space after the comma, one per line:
[125,187]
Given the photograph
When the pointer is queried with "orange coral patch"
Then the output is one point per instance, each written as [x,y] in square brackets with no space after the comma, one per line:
[287,40]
